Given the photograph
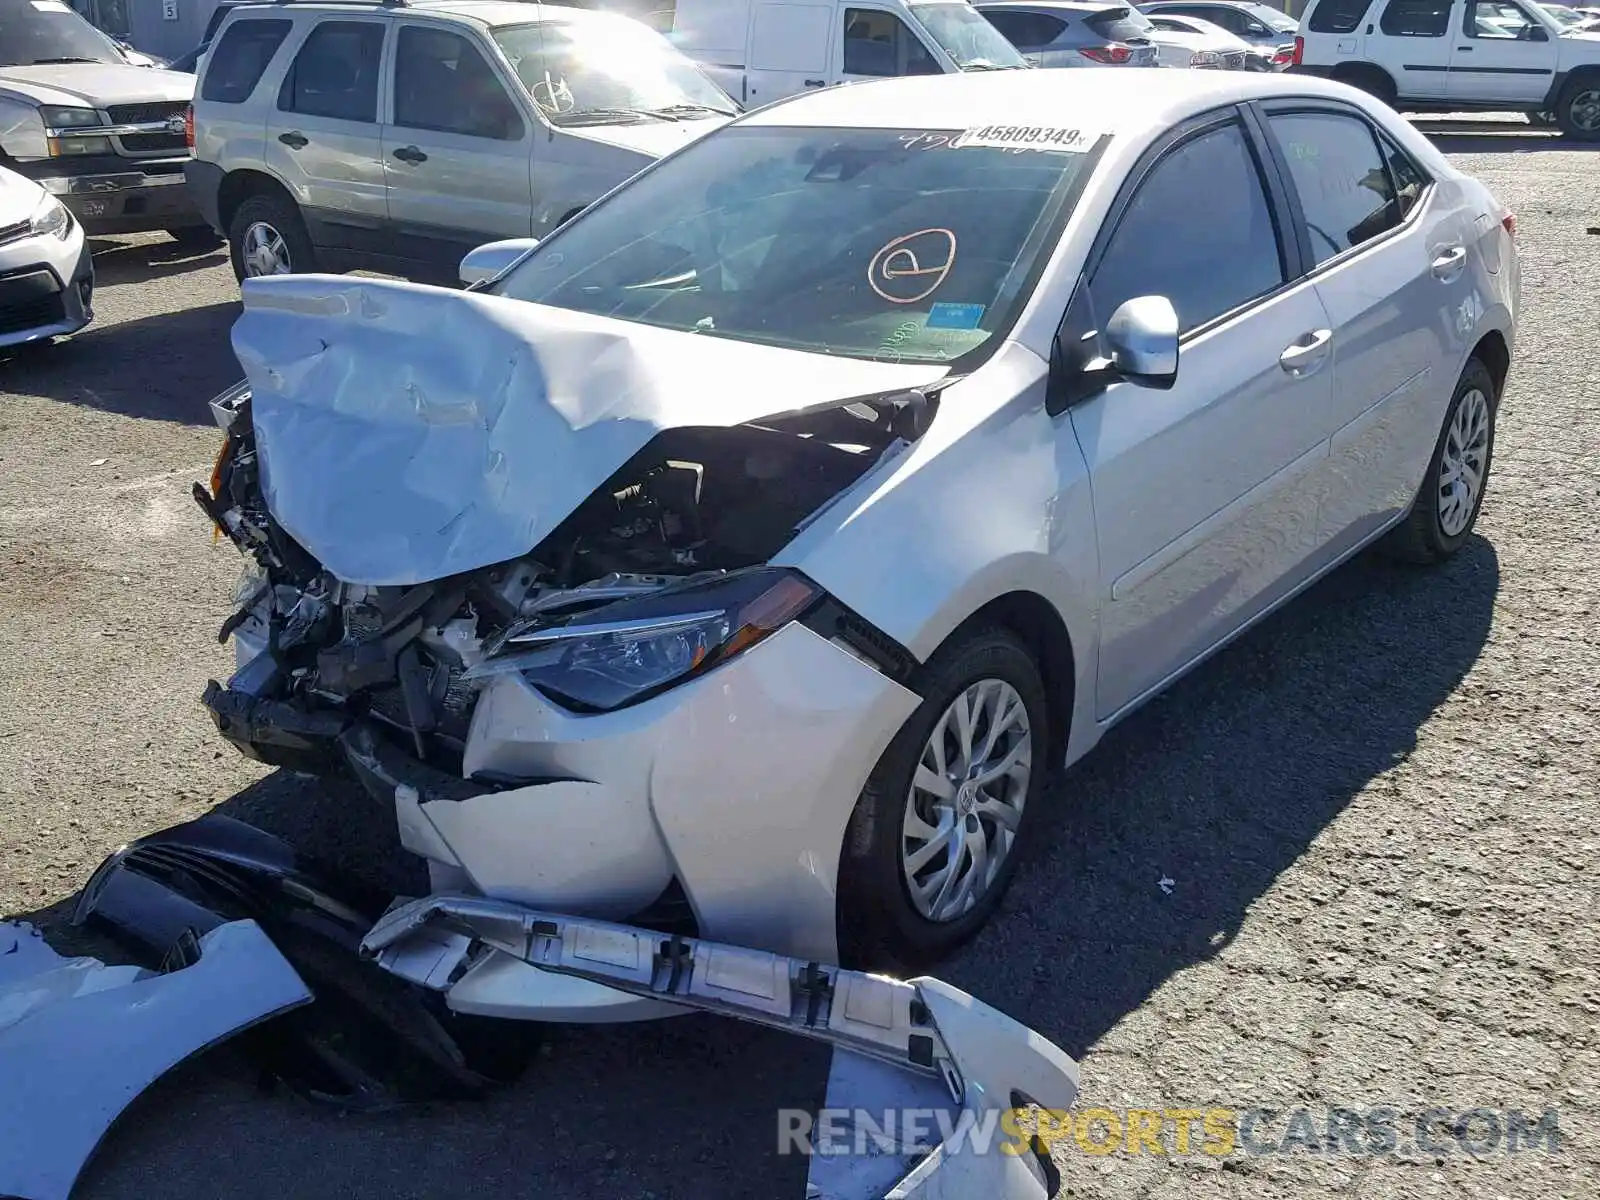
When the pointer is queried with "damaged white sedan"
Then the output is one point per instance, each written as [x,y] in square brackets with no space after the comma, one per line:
[740,560]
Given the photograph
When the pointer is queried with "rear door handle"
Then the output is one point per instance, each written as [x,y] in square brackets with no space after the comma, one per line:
[1306,354]
[410,154]
[293,140]
[816,83]
[1447,265]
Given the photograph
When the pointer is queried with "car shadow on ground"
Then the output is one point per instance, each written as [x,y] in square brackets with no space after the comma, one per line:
[138,262]
[165,367]
[1499,137]
[1217,789]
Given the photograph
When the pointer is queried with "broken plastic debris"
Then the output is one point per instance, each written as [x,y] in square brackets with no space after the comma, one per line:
[99,462]
[1166,883]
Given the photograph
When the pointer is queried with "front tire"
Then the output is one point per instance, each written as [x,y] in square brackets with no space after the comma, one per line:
[268,237]
[1447,504]
[1578,110]
[940,826]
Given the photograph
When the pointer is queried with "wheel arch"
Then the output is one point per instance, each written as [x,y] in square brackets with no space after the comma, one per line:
[1350,72]
[239,185]
[1491,350]
[1040,627]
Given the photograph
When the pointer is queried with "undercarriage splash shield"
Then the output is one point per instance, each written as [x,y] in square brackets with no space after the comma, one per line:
[80,1040]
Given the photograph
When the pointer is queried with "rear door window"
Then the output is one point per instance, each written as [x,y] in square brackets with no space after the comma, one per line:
[1337,16]
[336,73]
[240,59]
[1345,190]
[1416,18]
[1025,30]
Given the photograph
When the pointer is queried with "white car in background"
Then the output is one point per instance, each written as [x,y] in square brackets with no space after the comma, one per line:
[749,553]
[1191,42]
[46,274]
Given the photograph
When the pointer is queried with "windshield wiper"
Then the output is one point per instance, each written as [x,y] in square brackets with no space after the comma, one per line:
[687,107]
[984,64]
[50,62]
[613,114]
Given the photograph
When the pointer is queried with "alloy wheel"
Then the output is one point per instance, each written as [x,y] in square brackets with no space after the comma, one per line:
[1585,110]
[265,252]
[966,799]
[1461,466]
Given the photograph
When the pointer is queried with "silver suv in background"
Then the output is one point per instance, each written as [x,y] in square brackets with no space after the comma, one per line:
[398,136]
[102,135]
[1074,34]
[1258,24]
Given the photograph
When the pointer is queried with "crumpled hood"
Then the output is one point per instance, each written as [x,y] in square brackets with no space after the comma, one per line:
[95,85]
[407,433]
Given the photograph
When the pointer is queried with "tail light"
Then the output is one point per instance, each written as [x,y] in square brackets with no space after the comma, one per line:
[1509,221]
[188,127]
[1283,56]
[1299,52]
[1106,54]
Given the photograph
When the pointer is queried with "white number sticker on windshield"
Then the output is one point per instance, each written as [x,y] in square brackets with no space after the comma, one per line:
[1026,137]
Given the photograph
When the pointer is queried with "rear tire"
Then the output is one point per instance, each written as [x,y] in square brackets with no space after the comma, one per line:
[268,237]
[1442,516]
[991,811]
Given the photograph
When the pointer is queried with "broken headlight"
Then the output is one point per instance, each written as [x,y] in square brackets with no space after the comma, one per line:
[630,650]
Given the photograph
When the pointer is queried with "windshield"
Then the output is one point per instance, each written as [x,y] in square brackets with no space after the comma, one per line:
[47,31]
[895,245]
[607,72]
[1562,14]
[971,41]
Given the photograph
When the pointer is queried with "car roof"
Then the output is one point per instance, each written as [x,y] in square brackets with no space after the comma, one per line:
[487,12]
[1116,102]
[1076,6]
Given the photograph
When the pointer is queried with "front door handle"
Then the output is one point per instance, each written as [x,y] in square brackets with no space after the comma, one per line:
[293,140]
[410,154]
[1447,265]
[816,83]
[1306,354]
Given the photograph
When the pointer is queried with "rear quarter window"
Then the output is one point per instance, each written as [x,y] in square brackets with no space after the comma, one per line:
[240,58]
[1337,16]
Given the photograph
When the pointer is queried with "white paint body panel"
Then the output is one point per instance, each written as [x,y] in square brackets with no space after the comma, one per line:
[411,432]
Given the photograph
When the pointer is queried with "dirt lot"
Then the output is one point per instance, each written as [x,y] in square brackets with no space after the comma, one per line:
[1378,813]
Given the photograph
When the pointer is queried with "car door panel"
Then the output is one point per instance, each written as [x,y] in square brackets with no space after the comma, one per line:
[1391,296]
[1420,35]
[1199,492]
[457,150]
[1490,63]
[1200,496]
[322,136]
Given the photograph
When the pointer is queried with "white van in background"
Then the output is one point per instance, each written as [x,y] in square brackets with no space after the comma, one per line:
[763,50]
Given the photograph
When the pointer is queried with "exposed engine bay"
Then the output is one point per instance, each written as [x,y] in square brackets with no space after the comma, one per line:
[696,505]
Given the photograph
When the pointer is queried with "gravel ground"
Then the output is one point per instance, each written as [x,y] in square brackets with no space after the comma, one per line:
[1378,813]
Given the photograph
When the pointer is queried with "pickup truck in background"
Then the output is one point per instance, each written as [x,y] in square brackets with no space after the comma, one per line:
[104,136]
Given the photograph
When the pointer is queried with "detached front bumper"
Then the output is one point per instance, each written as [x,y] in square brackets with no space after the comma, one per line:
[119,195]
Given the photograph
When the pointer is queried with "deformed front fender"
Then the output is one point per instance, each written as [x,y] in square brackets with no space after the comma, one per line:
[80,1040]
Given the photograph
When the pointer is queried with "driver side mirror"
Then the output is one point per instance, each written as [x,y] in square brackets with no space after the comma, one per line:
[1141,342]
[1538,33]
[491,259]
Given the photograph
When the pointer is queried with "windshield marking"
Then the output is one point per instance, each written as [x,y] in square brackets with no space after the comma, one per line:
[924,141]
[896,260]
[1026,137]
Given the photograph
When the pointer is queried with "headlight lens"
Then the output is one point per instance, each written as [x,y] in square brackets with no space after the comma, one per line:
[630,650]
[50,217]
[59,117]
[68,147]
